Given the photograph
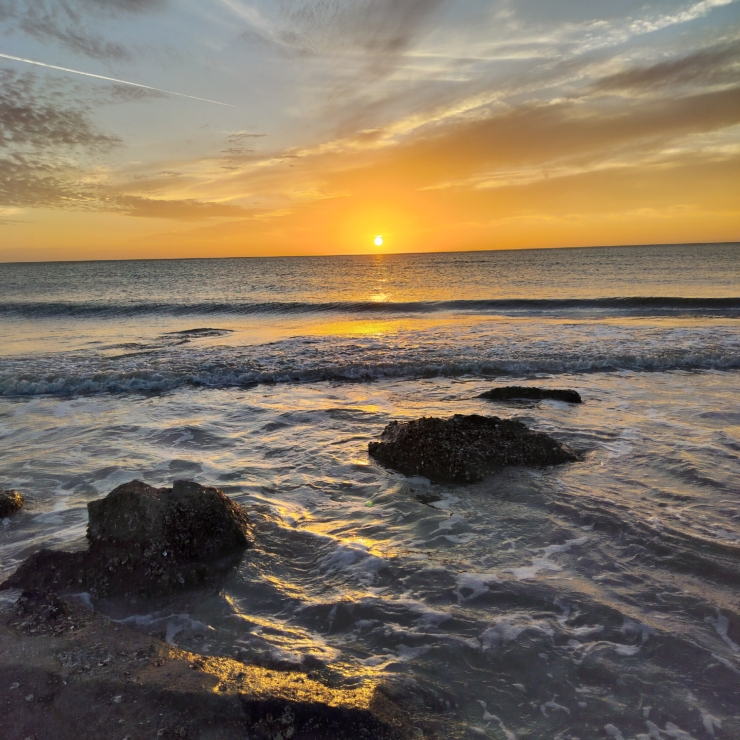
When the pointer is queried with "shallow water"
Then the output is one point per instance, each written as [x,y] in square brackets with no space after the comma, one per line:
[592,600]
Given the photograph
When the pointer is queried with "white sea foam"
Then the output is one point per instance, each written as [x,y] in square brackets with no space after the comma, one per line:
[614,732]
[553,706]
[173,624]
[722,625]
[510,628]
[354,558]
[477,583]
[632,627]
[543,562]
[488,717]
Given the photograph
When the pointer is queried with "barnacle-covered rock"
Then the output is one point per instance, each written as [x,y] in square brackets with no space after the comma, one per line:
[464,449]
[148,541]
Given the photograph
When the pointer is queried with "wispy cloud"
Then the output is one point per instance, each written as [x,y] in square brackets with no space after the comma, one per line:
[692,13]
[238,149]
[44,145]
[48,153]
[715,65]
[172,209]
[374,32]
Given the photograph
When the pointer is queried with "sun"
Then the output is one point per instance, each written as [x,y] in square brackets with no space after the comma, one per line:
[378,241]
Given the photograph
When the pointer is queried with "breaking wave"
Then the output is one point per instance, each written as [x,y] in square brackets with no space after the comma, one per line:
[78,378]
[638,306]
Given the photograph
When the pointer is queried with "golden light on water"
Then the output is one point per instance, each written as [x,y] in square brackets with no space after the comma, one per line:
[378,241]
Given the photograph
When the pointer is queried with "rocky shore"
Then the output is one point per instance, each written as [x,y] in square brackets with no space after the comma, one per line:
[69,674]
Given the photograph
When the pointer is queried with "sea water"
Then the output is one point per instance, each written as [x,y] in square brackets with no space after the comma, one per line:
[598,599]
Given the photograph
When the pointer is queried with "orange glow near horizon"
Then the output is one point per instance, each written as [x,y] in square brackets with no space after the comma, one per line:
[632,150]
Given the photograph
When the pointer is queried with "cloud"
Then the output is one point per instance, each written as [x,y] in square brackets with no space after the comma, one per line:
[31,118]
[117,93]
[376,26]
[27,182]
[44,144]
[177,210]
[692,13]
[530,143]
[708,66]
[238,149]
[49,150]
[374,31]
[69,22]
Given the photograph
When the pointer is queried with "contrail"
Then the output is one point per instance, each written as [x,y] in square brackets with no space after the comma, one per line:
[112,79]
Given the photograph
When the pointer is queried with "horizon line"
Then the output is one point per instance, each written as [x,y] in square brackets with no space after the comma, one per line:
[369,254]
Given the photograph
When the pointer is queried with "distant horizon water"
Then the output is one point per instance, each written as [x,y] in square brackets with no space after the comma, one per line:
[370,253]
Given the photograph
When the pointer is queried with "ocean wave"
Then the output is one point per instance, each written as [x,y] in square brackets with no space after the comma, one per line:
[655,305]
[79,381]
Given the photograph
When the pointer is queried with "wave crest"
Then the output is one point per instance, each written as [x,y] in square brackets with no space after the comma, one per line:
[655,305]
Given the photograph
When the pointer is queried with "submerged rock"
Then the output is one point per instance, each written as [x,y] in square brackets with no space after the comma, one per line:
[70,674]
[10,502]
[148,541]
[529,393]
[464,449]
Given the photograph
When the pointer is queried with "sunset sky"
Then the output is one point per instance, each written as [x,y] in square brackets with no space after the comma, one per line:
[436,124]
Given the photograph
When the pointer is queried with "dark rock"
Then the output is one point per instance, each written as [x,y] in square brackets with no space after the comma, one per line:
[464,449]
[10,502]
[187,521]
[146,541]
[271,718]
[91,679]
[40,606]
[528,393]
[50,570]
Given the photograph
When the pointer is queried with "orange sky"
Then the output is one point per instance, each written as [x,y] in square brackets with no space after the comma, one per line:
[439,125]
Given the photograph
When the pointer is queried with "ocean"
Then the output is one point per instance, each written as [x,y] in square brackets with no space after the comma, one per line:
[597,599]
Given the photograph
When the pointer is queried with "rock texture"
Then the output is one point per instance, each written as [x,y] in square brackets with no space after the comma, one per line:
[69,674]
[10,502]
[529,393]
[146,541]
[187,521]
[464,449]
